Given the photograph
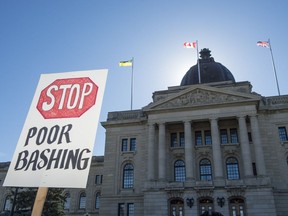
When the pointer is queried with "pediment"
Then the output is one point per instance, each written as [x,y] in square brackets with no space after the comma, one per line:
[202,96]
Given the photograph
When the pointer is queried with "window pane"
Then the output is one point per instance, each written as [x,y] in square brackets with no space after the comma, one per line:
[282,134]
[182,139]
[205,170]
[179,169]
[133,144]
[128,176]
[98,179]
[173,137]
[124,146]
[232,169]
[208,138]
[82,201]
[223,136]
[233,136]
[130,207]
[67,201]
[8,204]
[121,209]
[198,137]
[97,201]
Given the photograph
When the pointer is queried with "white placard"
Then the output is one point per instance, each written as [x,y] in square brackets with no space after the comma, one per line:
[56,143]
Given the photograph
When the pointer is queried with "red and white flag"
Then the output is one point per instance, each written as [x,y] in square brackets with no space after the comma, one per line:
[190,45]
[263,44]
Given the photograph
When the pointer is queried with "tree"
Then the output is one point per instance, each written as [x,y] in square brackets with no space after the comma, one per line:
[53,204]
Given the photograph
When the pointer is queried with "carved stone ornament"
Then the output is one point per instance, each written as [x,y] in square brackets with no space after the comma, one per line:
[236,192]
[205,193]
[175,194]
[200,97]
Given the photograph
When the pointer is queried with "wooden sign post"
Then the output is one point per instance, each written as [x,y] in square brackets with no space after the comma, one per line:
[39,201]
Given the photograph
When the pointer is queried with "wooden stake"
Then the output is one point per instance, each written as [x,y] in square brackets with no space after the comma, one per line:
[39,201]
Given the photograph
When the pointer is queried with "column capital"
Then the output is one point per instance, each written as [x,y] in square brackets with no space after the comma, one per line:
[253,116]
[241,116]
[151,123]
[213,118]
[187,121]
[161,123]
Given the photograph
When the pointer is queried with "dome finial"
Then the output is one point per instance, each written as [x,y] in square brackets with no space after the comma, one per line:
[205,53]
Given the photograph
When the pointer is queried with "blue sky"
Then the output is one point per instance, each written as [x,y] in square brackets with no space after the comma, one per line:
[70,35]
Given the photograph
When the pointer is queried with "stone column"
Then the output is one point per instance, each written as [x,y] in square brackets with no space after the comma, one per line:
[217,158]
[151,151]
[188,151]
[259,155]
[245,148]
[162,152]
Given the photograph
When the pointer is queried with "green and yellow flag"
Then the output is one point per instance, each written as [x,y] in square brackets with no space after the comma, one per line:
[126,63]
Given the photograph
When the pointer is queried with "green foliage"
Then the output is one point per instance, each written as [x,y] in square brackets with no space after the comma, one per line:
[53,205]
[25,199]
[54,202]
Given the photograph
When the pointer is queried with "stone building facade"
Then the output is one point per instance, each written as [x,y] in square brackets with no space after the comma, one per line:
[212,146]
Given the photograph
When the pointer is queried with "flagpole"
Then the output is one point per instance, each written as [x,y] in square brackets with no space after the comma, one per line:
[274,66]
[132,78]
[199,77]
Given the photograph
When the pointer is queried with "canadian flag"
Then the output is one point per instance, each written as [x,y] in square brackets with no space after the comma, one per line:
[190,45]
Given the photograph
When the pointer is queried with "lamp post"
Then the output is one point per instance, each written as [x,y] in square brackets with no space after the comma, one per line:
[190,202]
[221,201]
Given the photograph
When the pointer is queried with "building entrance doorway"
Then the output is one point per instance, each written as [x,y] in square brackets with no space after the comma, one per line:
[206,205]
[176,207]
[237,207]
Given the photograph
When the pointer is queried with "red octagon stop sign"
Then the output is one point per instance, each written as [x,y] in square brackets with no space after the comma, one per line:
[67,98]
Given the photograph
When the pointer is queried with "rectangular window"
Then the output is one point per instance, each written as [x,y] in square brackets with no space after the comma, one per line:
[198,138]
[98,179]
[182,139]
[233,135]
[249,136]
[223,136]
[254,169]
[282,134]
[132,144]
[130,209]
[124,146]
[208,138]
[173,137]
[177,139]
[121,207]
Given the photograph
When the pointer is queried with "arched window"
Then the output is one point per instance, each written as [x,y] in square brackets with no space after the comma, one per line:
[205,170]
[128,176]
[232,168]
[8,203]
[179,171]
[97,201]
[67,201]
[82,201]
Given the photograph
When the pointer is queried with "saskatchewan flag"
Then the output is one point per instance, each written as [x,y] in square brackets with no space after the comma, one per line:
[126,63]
